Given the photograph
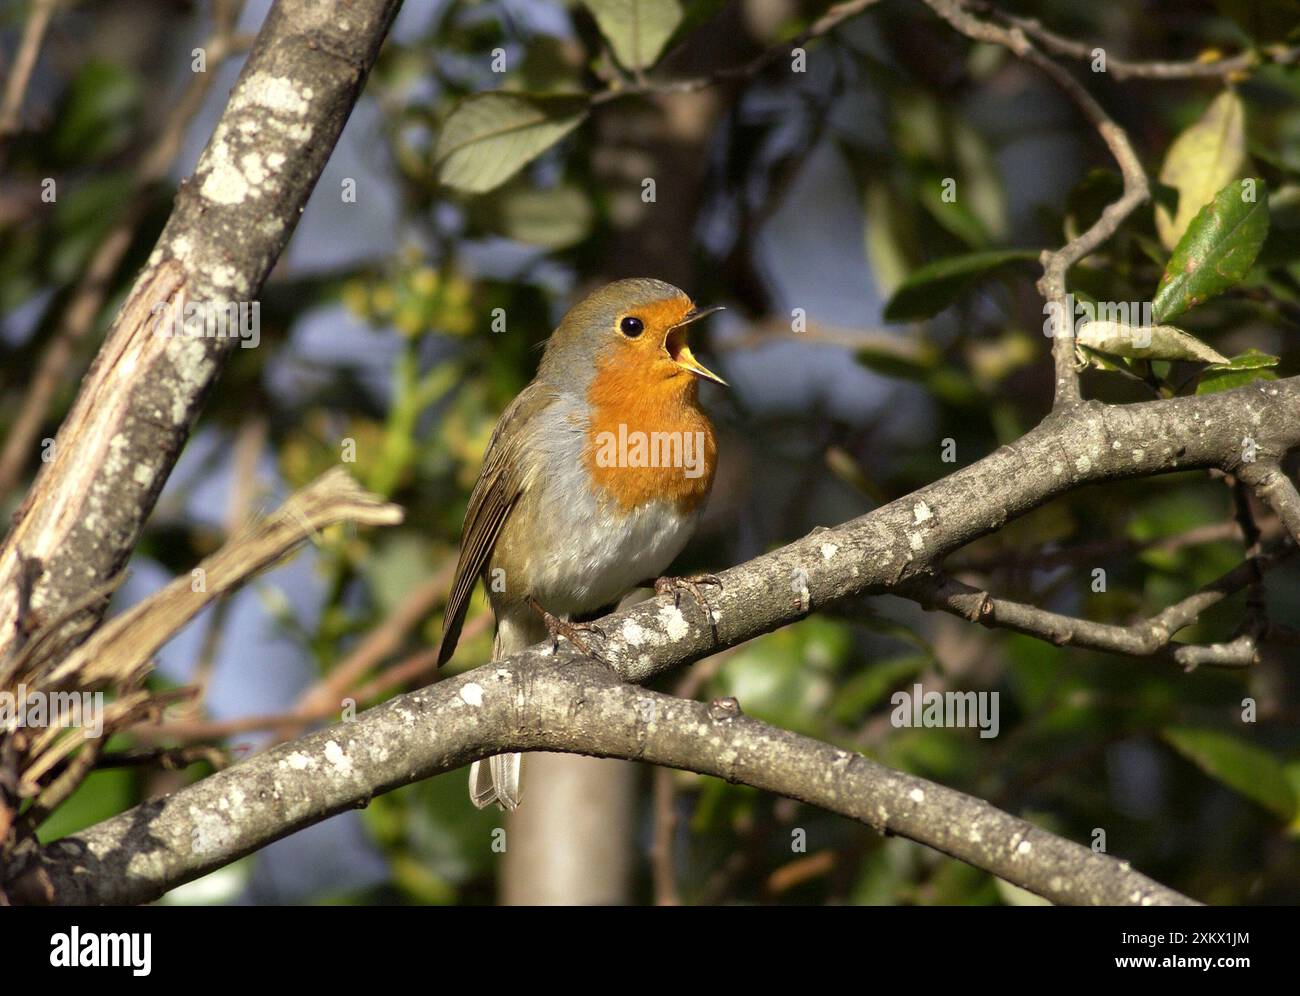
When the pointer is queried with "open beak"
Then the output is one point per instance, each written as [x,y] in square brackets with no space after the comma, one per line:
[675,343]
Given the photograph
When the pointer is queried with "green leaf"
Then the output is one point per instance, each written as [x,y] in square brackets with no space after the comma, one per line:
[890,235]
[637,30]
[489,137]
[1207,155]
[1147,342]
[98,114]
[936,285]
[103,794]
[1242,369]
[554,219]
[1243,767]
[1217,251]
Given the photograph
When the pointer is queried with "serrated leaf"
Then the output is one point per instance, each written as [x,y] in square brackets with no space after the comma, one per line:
[1202,159]
[637,30]
[1248,366]
[489,137]
[1243,767]
[936,285]
[1217,251]
[1145,342]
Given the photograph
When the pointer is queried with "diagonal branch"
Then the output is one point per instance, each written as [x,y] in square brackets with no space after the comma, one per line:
[1276,490]
[229,224]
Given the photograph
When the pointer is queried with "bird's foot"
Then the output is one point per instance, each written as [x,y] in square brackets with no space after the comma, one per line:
[575,633]
[691,583]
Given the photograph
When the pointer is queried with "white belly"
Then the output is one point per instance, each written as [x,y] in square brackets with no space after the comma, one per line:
[592,563]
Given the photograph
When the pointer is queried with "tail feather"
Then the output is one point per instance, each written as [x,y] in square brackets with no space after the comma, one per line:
[496,779]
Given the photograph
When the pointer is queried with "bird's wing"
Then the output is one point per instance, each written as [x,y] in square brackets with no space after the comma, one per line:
[499,485]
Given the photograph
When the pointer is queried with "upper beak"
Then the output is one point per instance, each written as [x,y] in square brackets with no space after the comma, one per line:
[675,343]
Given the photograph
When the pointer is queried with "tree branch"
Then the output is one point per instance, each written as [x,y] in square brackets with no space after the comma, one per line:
[1149,638]
[1123,69]
[135,409]
[536,702]
[1136,188]
[140,857]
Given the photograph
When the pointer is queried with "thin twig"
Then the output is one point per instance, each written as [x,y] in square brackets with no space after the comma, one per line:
[1122,69]
[833,17]
[1150,638]
[38,19]
[1056,264]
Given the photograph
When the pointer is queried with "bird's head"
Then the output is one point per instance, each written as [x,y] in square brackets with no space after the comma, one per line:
[637,327]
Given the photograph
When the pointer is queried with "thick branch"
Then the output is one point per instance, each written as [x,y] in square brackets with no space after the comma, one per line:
[875,553]
[135,409]
[540,703]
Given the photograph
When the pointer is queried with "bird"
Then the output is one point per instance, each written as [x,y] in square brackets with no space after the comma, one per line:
[593,481]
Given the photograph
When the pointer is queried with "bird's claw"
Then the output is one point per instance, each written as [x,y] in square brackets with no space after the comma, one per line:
[571,631]
[692,584]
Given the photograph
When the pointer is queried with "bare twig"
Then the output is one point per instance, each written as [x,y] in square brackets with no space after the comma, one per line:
[1123,69]
[835,16]
[1056,264]
[1150,638]
[38,19]
[128,641]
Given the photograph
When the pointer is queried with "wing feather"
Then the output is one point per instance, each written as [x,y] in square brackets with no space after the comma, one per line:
[497,490]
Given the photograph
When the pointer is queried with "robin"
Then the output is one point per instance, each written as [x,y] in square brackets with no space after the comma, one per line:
[592,483]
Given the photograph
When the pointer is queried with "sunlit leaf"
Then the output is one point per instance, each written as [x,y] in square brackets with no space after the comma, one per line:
[637,30]
[490,136]
[1217,251]
[1206,156]
[1147,342]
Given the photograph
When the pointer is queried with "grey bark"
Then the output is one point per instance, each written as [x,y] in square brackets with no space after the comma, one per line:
[532,702]
[230,222]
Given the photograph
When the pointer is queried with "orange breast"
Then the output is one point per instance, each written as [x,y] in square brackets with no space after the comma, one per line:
[648,438]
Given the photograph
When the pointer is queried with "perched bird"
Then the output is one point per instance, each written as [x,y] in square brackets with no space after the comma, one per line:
[593,481]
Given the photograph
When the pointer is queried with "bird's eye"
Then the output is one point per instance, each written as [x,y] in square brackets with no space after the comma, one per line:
[631,327]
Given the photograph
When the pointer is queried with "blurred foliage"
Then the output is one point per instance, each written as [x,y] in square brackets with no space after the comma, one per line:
[515,189]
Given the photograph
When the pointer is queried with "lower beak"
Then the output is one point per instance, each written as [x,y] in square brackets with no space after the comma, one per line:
[681,353]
